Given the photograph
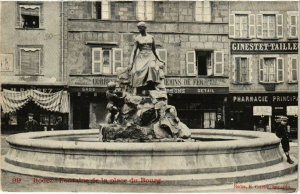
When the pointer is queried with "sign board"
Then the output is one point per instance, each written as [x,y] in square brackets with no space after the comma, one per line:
[292,110]
[102,81]
[202,90]
[262,110]
[263,47]
[6,62]
[264,98]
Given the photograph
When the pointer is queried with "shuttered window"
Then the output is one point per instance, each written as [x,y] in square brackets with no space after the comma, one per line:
[293,65]
[106,61]
[292,25]
[218,63]
[269,26]
[279,27]
[117,59]
[280,75]
[241,26]
[271,69]
[191,63]
[144,10]
[163,55]
[96,60]
[242,69]
[30,59]
[203,11]
[105,10]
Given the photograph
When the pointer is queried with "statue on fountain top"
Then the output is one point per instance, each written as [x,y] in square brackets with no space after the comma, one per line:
[146,67]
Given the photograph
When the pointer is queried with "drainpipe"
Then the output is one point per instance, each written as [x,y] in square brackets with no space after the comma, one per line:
[62,40]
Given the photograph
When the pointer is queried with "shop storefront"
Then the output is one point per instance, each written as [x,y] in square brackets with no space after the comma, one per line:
[45,102]
[198,100]
[258,111]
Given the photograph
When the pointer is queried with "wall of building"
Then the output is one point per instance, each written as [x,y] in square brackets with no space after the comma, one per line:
[263,8]
[176,35]
[48,37]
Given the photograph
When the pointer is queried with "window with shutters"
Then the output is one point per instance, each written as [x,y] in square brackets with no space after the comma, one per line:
[292,24]
[30,61]
[269,26]
[203,11]
[293,60]
[29,16]
[144,10]
[106,61]
[205,63]
[242,25]
[101,10]
[271,69]
[242,74]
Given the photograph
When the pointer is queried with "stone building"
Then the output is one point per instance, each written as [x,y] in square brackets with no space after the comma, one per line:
[191,36]
[31,58]
[264,64]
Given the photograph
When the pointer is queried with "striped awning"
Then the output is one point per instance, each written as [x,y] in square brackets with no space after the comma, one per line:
[12,101]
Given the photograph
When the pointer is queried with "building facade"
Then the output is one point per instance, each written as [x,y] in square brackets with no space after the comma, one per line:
[191,36]
[264,64]
[31,59]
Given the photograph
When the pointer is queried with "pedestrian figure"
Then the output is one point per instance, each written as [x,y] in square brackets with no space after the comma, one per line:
[282,133]
[31,124]
[219,123]
[60,125]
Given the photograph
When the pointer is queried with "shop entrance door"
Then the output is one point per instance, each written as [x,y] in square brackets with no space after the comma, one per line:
[81,114]
[209,119]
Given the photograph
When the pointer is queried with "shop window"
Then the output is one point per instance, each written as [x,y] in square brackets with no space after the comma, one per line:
[144,10]
[269,26]
[29,16]
[206,63]
[293,64]
[203,11]
[101,10]
[209,119]
[242,69]
[271,70]
[30,61]
[242,25]
[106,61]
[292,24]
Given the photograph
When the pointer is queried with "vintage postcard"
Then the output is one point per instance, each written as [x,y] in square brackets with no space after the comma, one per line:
[149,96]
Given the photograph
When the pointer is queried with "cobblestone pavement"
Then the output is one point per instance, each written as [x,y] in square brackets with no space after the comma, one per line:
[10,182]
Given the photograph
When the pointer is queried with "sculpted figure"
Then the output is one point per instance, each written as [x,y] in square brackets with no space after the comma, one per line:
[145,65]
[115,102]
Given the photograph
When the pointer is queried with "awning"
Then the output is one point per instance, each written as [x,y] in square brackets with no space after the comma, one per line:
[292,110]
[262,110]
[12,101]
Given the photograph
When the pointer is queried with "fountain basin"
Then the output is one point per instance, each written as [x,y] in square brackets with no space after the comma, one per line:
[236,156]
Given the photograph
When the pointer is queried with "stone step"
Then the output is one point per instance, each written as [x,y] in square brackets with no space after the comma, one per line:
[202,179]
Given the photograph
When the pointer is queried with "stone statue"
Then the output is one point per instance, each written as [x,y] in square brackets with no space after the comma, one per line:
[141,113]
[145,64]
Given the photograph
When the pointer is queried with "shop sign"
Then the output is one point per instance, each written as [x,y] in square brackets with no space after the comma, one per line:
[267,98]
[41,89]
[264,47]
[262,110]
[292,110]
[169,82]
[204,90]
